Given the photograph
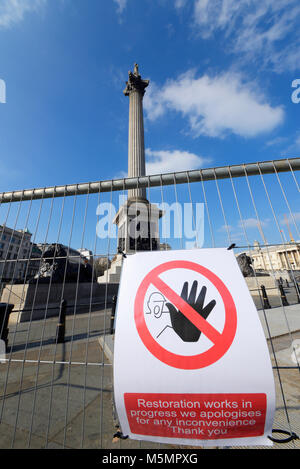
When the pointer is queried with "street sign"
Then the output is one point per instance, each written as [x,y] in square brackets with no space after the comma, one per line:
[191,363]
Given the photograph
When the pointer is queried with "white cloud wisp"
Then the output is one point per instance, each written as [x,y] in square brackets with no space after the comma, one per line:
[257,28]
[166,161]
[13,11]
[121,5]
[215,106]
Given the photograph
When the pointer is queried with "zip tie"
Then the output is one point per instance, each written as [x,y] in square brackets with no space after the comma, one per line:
[292,436]
[121,252]
[119,436]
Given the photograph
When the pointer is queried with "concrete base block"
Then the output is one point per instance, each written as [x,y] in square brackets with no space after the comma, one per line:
[107,344]
[255,283]
[33,302]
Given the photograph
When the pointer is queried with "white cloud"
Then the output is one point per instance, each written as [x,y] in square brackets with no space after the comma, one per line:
[13,11]
[249,223]
[298,141]
[287,59]
[215,106]
[2,91]
[276,141]
[180,4]
[153,105]
[257,28]
[169,161]
[166,161]
[121,5]
[242,230]
[294,148]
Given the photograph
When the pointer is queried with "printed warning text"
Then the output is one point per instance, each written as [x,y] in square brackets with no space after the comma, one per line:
[196,416]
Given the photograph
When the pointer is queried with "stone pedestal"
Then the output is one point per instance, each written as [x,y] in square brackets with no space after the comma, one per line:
[33,302]
[254,283]
[138,229]
[113,274]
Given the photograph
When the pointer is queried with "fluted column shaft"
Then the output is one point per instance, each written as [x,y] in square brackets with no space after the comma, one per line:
[136,146]
[135,89]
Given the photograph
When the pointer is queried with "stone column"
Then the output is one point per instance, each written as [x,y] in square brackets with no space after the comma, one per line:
[294,259]
[135,89]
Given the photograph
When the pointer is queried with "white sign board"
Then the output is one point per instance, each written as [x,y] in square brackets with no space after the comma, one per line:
[191,363]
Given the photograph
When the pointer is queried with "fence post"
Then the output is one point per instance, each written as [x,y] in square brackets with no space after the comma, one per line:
[265,297]
[61,326]
[5,310]
[113,311]
[283,297]
[297,291]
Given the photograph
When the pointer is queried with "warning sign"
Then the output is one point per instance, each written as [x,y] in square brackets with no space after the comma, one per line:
[191,364]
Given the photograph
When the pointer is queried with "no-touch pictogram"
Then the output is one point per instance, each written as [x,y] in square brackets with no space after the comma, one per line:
[221,340]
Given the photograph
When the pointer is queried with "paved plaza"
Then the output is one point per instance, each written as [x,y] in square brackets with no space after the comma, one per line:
[60,395]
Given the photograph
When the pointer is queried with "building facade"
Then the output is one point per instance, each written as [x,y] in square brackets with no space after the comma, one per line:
[275,258]
[15,252]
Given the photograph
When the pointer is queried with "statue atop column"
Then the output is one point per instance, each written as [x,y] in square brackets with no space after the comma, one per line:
[135,82]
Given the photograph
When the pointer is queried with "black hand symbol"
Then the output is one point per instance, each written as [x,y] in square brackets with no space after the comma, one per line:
[180,323]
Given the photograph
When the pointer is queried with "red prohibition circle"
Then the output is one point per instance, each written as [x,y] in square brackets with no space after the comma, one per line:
[192,362]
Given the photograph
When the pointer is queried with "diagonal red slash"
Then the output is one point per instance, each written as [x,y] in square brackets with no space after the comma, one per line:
[204,326]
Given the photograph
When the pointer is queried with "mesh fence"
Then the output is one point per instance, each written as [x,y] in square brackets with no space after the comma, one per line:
[59,279]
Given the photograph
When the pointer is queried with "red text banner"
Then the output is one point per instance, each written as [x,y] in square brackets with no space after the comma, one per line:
[196,416]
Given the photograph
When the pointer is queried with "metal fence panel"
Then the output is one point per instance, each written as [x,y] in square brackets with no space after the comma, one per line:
[58,392]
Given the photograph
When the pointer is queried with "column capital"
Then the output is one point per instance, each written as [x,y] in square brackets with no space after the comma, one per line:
[135,82]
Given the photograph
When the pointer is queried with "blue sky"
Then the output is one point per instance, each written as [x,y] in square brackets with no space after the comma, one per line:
[221,74]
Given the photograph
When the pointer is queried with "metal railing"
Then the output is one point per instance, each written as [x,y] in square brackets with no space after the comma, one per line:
[56,375]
